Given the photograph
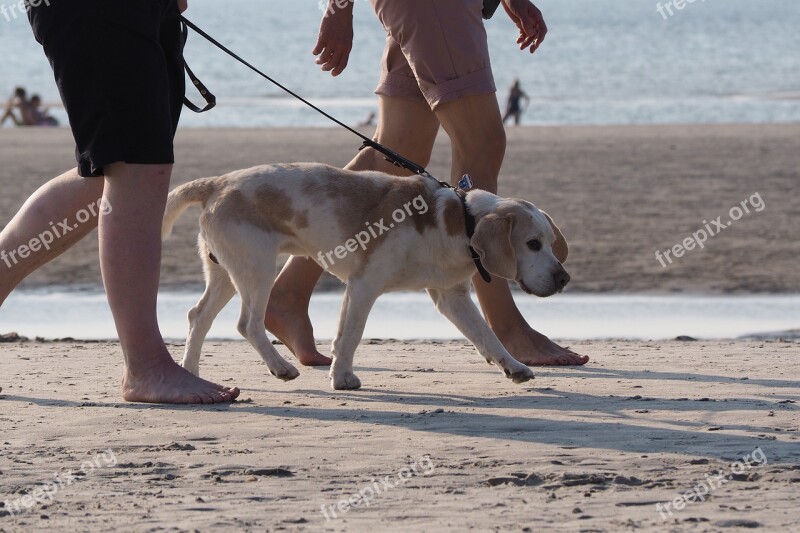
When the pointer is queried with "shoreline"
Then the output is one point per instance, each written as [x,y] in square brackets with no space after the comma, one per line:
[411,316]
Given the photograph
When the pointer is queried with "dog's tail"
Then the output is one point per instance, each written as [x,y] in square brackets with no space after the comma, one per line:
[194,192]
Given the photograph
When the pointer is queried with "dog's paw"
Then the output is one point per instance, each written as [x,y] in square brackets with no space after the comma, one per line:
[519,374]
[347,381]
[284,371]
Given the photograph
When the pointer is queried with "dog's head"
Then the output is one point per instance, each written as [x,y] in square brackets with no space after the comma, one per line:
[519,242]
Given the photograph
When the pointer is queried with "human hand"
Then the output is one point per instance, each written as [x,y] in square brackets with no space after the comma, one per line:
[530,22]
[335,39]
[183,5]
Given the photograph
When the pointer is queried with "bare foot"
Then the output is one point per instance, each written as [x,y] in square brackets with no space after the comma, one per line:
[168,382]
[294,329]
[530,347]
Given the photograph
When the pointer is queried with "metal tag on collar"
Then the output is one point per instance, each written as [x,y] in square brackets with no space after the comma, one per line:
[466,183]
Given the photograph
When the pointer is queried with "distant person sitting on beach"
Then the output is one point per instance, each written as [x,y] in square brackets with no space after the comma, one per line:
[30,111]
[38,114]
[18,102]
[514,105]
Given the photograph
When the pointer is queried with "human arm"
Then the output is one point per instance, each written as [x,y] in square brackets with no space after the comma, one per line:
[9,114]
[183,5]
[529,21]
[335,39]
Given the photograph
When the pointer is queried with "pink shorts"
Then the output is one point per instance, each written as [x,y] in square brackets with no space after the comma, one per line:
[436,50]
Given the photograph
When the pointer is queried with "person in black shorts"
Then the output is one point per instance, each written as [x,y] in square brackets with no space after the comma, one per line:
[119,69]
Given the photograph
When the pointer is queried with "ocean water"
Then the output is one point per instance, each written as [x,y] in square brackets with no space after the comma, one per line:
[604,62]
[85,315]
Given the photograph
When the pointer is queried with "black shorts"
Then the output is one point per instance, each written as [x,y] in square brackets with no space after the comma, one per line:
[119,69]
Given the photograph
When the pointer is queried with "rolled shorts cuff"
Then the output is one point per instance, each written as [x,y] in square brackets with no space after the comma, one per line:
[472,84]
[392,84]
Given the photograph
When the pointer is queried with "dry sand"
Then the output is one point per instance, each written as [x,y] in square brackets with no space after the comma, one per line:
[619,194]
[585,449]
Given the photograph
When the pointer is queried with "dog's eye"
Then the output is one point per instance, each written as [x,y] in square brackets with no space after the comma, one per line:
[535,245]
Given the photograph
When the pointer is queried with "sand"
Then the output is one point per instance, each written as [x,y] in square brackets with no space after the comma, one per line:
[619,194]
[583,449]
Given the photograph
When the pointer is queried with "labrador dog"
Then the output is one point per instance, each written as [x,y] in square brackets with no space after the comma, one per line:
[375,232]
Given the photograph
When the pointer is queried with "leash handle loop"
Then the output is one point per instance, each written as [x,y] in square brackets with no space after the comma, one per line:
[211,100]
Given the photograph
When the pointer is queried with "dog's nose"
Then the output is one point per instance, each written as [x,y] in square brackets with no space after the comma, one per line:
[561,278]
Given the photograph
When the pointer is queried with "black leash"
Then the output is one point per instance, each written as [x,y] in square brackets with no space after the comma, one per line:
[390,155]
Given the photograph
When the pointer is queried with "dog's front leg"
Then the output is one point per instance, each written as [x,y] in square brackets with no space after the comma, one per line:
[357,303]
[457,306]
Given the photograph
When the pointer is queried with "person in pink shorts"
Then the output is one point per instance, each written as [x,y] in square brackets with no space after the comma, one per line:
[436,72]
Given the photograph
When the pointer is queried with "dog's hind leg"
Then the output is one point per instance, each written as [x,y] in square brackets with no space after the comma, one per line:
[253,270]
[219,291]
[457,306]
[358,300]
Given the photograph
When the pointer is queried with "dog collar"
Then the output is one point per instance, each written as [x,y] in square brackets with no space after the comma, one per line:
[469,223]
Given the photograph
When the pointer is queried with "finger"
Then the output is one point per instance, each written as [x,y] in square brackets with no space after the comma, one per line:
[526,43]
[341,63]
[331,62]
[324,56]
[319,47]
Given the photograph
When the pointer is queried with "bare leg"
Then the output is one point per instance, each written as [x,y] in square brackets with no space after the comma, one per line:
[59,199]
[409,127]
[130,257]
[478,139]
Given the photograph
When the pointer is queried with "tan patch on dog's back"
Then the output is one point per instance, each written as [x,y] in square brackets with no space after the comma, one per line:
[270,209]
[361,200]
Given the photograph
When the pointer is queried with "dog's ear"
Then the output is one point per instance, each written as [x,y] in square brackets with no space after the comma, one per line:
[560,246]
[492,242]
